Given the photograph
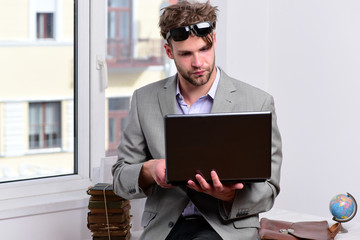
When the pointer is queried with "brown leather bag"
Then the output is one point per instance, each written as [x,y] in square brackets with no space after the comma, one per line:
[312,230]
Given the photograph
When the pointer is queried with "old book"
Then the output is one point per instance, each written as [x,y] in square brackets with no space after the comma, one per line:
[109,211]
[112,218]
[98,189]
[109,204]
[94,227]
[108,198]
[126,237]
[111,226]
[117,233]
[123,210]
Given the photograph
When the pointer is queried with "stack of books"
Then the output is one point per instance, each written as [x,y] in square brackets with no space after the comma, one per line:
[109,216]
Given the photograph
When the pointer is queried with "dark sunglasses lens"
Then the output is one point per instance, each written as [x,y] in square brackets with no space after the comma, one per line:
[180,34]
[202,29]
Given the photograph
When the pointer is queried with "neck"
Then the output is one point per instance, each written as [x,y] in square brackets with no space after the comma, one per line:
[192,93]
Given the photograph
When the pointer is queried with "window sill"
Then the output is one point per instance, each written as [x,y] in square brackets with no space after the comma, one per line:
[44,150]
[34,205]
[40,196]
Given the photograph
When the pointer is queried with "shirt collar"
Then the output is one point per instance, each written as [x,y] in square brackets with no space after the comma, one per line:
[212,90]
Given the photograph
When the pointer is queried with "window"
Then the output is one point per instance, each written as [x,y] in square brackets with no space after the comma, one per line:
[38,91]
[133,36]
[119,30]
[45,117]
[45,72]
[44,125]
[118,114]
[45,25]
[135,57]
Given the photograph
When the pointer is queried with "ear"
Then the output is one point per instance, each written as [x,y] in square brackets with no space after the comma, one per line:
[214,39]
[168,51]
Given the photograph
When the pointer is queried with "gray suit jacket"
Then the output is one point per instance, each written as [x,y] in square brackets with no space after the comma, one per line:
[143,139]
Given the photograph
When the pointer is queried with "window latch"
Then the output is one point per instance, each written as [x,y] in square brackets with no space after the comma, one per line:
[102,66]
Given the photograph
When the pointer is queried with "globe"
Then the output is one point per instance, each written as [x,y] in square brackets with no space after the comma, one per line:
[343,207]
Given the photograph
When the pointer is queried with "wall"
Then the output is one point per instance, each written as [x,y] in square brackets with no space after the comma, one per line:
[307,54]
[57,216]
[63,225]
[242,34]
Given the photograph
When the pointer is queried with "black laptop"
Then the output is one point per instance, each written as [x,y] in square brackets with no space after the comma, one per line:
[236,145]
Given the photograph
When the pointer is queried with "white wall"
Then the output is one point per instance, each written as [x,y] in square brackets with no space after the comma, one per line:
[58,216]
[64,225]
[242,35]
[307,55]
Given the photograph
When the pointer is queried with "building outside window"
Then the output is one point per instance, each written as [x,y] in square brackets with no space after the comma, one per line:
[44,125]
[45,25]
[133,38]
[118,115]
[37,120]
[135,57]
[119,30]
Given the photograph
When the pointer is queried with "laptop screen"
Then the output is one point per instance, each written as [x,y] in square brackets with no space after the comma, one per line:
[236,145]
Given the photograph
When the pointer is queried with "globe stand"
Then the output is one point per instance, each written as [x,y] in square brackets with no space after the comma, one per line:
[344,230]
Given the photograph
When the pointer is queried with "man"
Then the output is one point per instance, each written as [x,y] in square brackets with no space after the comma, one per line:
[195,211]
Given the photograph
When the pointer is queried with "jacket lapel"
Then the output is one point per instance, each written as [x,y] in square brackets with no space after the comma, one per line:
[167,95]
[224,101]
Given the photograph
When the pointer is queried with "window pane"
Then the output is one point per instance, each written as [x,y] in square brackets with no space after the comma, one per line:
[44,125]
[37,89]
[44,25]
[135,57]
[119,3]
[118,112]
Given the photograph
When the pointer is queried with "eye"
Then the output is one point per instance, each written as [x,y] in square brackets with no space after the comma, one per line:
[204,49]
[184,54]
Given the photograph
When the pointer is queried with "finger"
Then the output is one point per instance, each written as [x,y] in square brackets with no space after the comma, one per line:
[161,181]
[165,184]
[203,183]
[216,181]
[236,186]
[193,185]
[239,186]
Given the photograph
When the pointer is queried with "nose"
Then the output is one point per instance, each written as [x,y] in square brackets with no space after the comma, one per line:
[197,61]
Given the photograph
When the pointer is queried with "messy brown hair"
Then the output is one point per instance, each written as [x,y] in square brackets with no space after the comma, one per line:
[186,13]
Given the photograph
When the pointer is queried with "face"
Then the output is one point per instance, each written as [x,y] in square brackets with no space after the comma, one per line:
[194,60]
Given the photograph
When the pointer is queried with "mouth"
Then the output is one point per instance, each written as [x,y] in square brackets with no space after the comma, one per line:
[199,73]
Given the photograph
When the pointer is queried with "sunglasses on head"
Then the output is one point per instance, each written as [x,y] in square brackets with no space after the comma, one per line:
[200,29]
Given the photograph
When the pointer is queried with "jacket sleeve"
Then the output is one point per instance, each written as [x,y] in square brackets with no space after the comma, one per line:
[259,197]
[132,153]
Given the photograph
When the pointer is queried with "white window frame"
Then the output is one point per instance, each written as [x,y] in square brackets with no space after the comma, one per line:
[31,197]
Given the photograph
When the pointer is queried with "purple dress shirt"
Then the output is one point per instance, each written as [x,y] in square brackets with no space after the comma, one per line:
[202,105]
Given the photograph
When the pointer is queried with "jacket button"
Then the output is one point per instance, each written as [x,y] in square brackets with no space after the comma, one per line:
[171,224]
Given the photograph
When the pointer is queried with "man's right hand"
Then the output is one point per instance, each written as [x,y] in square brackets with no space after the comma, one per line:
[153,171]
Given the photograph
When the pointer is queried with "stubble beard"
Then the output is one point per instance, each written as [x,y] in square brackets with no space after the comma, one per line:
[197,81]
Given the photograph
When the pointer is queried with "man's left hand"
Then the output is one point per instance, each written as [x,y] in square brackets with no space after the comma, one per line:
[224,192]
